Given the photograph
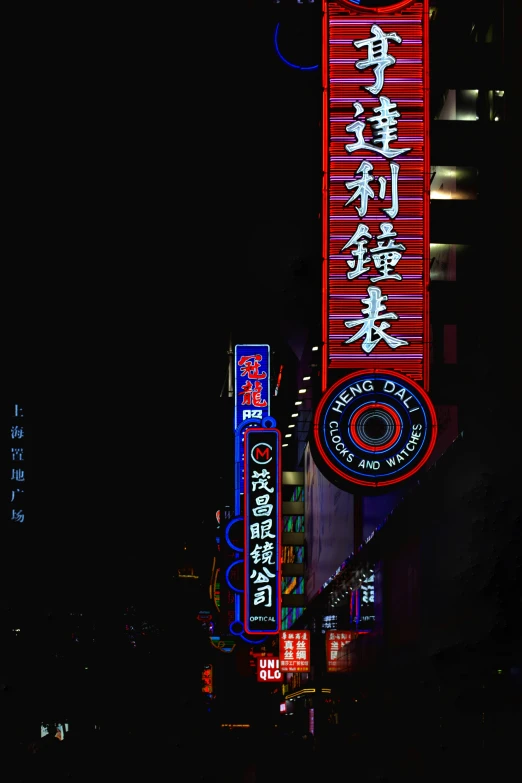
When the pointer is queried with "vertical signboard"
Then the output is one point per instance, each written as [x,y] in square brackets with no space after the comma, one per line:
[335,642]
[206,679]
[18,460]
[367,600]
[294,651]
[375,426]
[376,241]
[251,384]
[262,514]
[251,400]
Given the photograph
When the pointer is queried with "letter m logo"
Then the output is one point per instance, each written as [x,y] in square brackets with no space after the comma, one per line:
[263,454]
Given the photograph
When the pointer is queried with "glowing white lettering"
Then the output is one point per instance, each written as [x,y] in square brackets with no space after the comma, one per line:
[338,443]
[369,464]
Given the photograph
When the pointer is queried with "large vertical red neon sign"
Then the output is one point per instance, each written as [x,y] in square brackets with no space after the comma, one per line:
[376,190]
[375,425]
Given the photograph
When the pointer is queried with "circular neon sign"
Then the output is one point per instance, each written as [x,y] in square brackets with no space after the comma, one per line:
[374,429]
[375,5]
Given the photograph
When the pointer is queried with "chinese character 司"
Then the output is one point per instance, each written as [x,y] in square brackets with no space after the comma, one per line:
[262,595]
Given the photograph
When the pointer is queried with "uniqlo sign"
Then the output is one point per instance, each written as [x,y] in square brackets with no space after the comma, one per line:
[377,186]
[294,651]
[335,641]
[262,549]
[268,669]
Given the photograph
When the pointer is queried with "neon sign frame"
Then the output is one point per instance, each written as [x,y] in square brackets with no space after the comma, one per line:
[262,528]
[397,185]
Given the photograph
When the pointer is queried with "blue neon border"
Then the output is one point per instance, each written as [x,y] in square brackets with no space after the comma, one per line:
[277,495]
[342,465]
[264,350]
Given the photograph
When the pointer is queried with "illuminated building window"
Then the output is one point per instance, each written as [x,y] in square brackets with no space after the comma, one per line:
[472,105]
[329,623]
[290,615]
[454,183]
[292,554]
[445,260]
[299,554]
[297,494]
[293,523]
[293,584]
[288,555]
[289,584]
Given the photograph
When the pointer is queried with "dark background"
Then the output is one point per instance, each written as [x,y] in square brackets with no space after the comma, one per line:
[163,195]
[163,200]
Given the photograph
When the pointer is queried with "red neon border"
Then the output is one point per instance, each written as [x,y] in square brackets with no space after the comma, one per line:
[326,178]
[299,665]
[401,377]
[398,427]
[378,9]
[324,200]
[427,185]
[279,534]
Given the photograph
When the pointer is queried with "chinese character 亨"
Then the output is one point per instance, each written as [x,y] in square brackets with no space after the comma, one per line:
[378,57]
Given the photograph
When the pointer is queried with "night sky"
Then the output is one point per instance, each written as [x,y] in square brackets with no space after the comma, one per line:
[161,206]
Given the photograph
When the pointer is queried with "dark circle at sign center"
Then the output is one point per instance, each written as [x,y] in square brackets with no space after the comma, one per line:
[375,427]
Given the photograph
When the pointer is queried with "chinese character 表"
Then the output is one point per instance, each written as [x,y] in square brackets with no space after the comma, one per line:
[371,332]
